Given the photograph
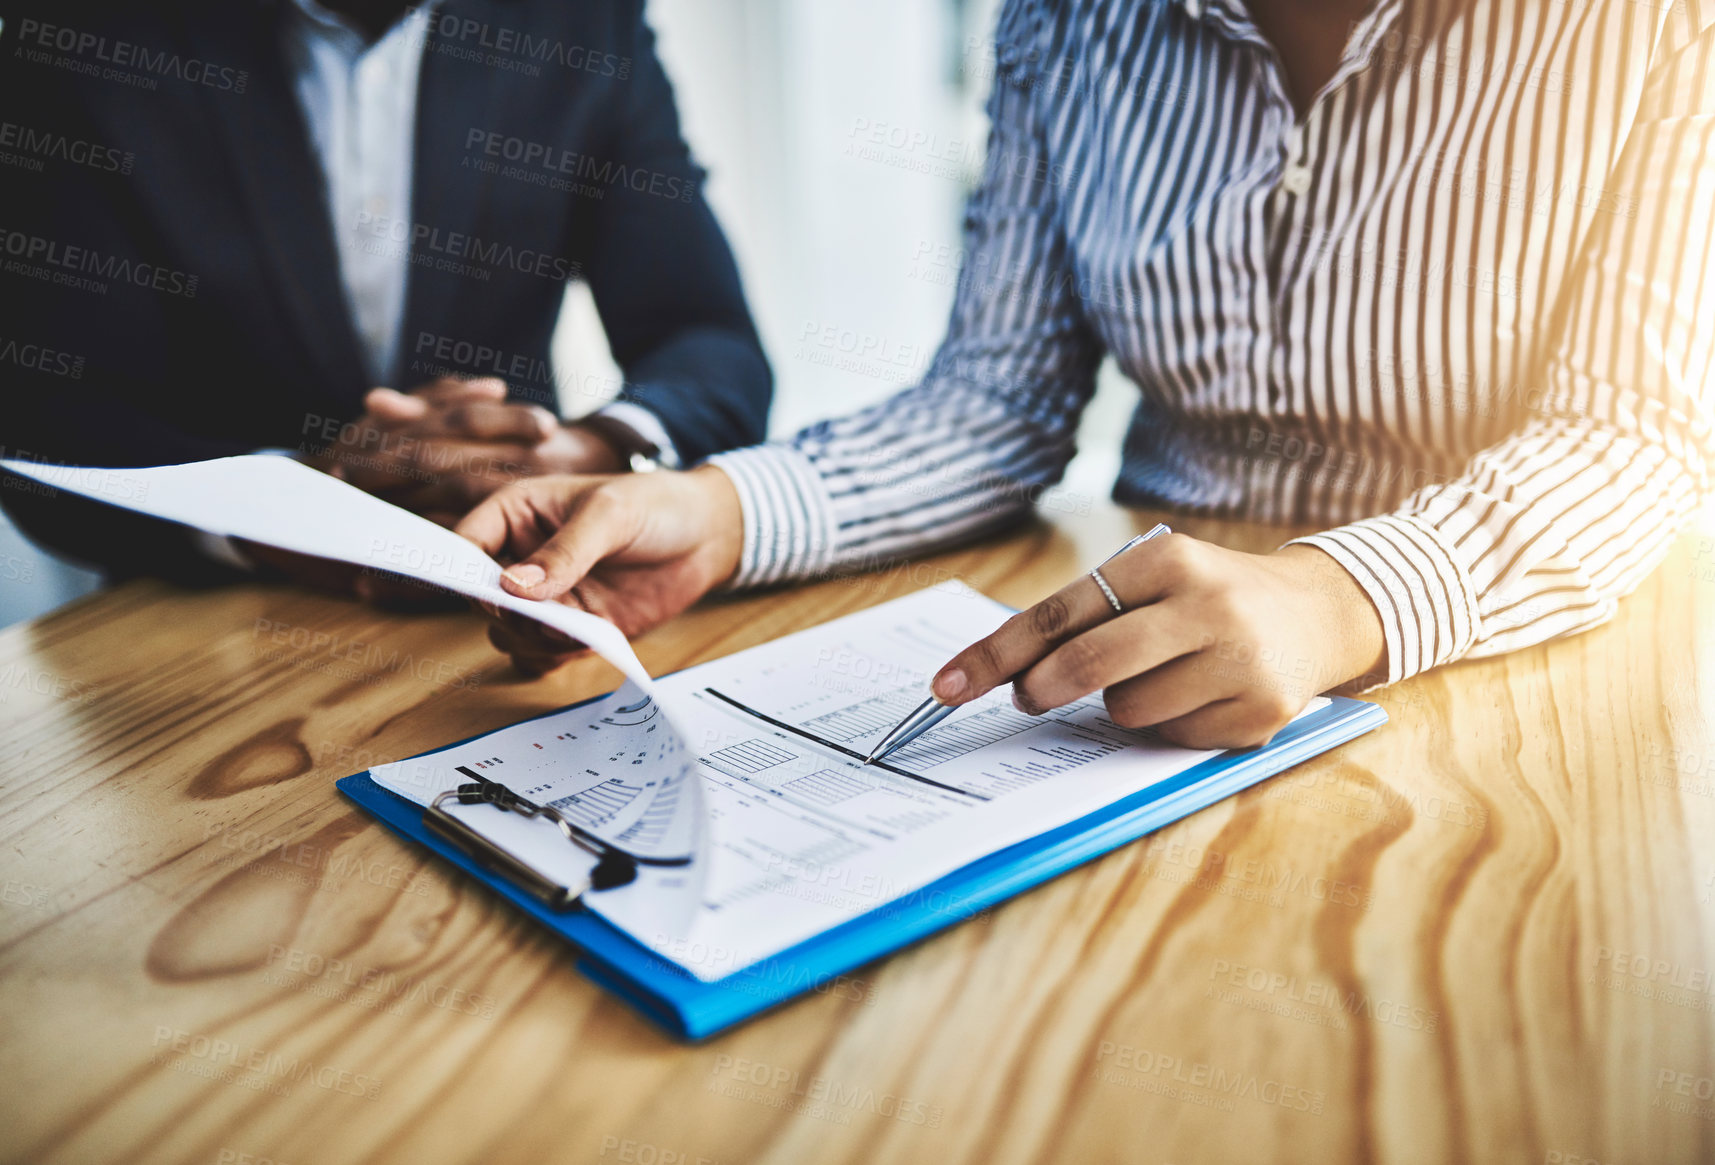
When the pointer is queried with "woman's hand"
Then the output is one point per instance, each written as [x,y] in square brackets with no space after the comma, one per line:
[636,550]
[1216,649]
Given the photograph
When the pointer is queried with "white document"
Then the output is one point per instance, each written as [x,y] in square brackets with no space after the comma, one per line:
[750,765]
[280,502]
[801,836]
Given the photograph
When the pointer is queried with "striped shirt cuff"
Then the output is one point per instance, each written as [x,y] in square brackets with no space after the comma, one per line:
[1427,603]
[788,517]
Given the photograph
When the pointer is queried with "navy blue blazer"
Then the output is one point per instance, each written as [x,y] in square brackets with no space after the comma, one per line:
[170,267]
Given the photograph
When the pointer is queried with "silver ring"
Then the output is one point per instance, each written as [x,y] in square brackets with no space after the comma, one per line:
[1108,591]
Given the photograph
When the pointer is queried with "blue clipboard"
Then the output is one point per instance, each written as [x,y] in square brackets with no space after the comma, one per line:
[694,1010]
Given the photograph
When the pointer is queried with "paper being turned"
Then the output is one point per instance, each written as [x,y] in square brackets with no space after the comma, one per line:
[634,784]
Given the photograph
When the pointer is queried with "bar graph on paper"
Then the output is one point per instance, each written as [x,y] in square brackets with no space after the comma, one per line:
[848,692]
[865,719]
[959,736]
[599,804]
[987,749]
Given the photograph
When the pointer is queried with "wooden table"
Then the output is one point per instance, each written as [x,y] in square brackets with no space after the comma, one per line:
[1485,932]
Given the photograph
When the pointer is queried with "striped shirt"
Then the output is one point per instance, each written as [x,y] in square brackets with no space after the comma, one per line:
[1458,315]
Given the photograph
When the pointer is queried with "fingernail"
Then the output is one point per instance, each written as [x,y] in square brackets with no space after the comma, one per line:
[950,685]
[1018,702]
[525,575]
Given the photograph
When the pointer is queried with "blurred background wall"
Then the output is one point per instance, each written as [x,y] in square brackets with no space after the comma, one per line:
[841,139]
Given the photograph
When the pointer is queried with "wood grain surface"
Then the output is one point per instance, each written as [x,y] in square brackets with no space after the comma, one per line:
[1485,932]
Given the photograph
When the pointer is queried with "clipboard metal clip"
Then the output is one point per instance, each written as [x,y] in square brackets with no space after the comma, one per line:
[614,866]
